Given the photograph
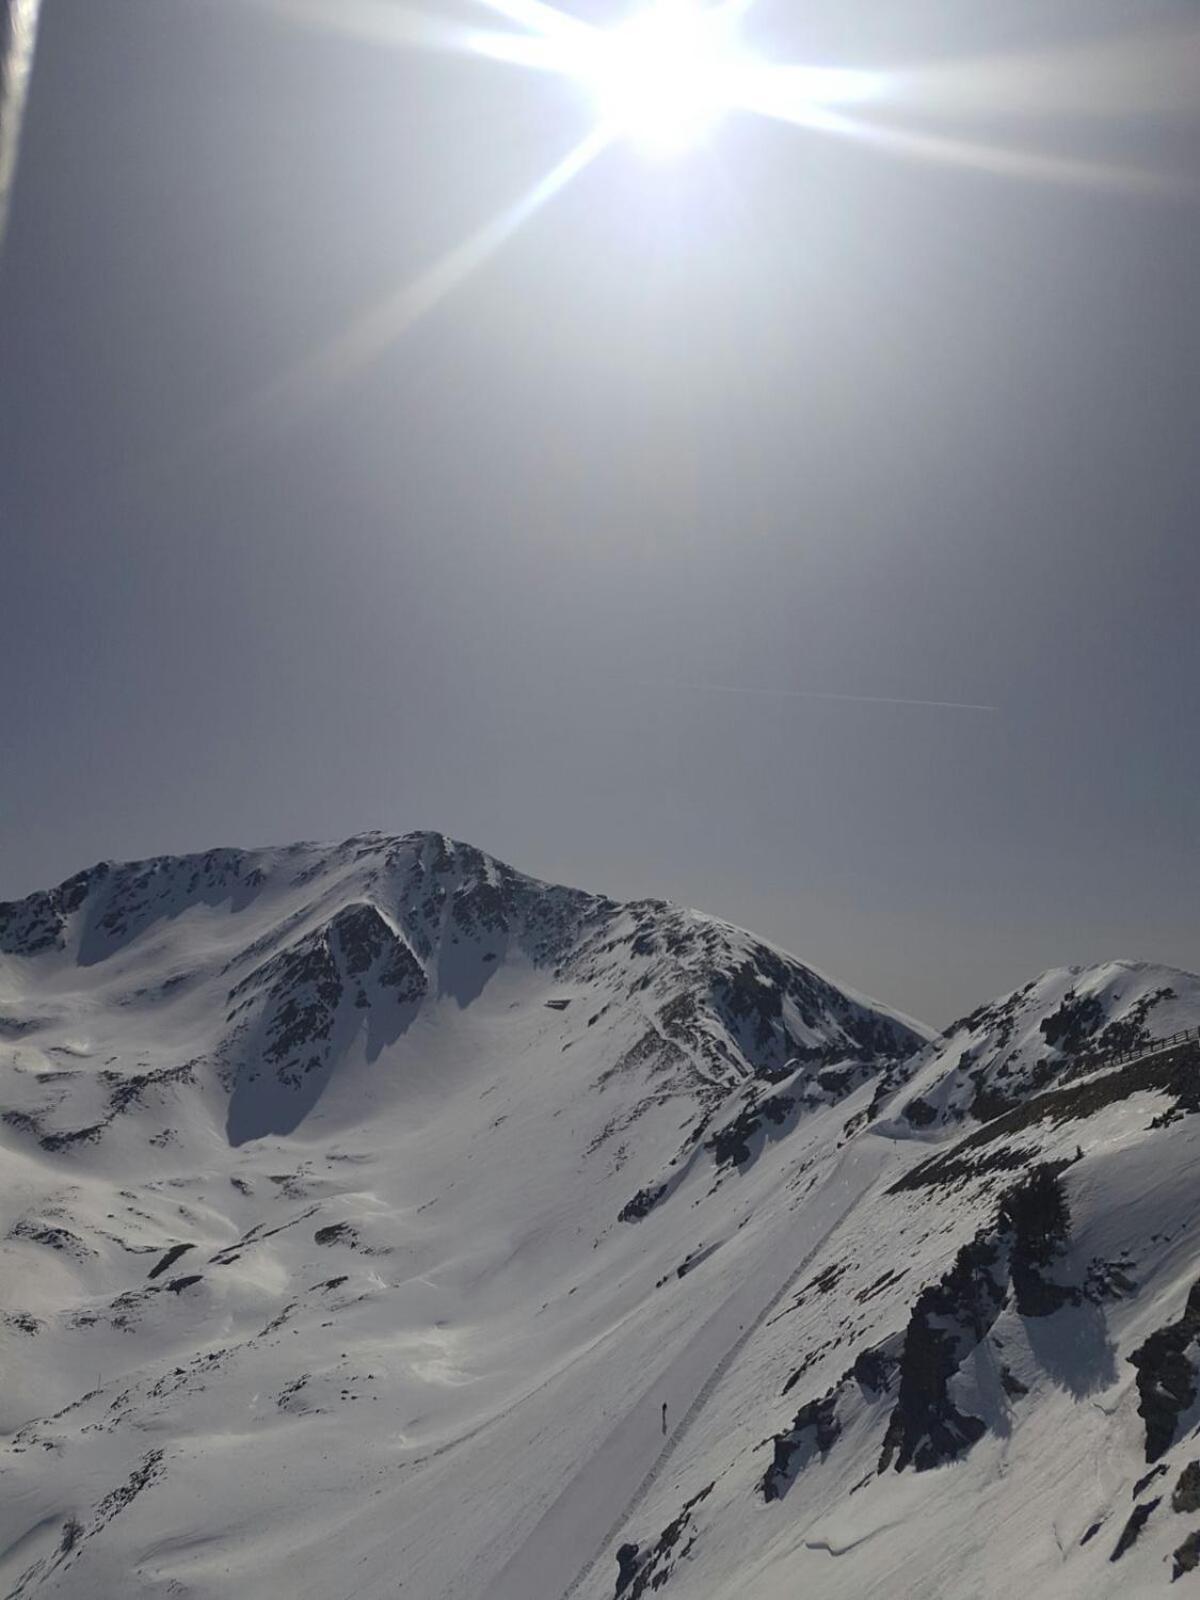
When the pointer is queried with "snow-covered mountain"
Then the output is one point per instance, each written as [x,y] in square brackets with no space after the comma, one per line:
[295,1135]
[364,1206]
[987,1379]
[271,981]
[1052,1030]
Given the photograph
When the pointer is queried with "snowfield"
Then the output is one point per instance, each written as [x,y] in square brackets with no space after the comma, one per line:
[363,1205]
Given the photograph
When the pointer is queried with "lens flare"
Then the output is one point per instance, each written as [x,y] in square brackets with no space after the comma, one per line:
[666,76]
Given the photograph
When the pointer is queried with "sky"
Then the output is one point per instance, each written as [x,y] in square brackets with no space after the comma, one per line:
[569,567]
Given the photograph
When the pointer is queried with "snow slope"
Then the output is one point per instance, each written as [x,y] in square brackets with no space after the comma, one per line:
[988,1381]
[315,1278]
[364,1205]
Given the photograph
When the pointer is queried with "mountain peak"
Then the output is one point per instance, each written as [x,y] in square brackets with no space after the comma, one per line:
[306,950]
[353,1182]
[1052,1028]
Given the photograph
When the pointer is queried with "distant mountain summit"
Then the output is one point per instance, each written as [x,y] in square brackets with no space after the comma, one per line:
[306,954]
[1054,1028]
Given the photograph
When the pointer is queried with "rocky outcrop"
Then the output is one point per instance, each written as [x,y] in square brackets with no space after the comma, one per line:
[1186,1557]
[1167,1365]
[1186,1494]
[948,1320]
[1050,1032]
[814,1431]
[642,1571]
[1007,1263]
[1132,1530]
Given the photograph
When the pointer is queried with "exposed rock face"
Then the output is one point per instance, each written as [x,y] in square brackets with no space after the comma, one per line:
[627,1565]
[1167,1365]
[1186,1494]
[642,1571]
[764,1106]
[814,1430]
[1047,1033]
[168,1260]
[299,991]
[1007,1262]
[1174,1073]
[919,1112]
[37,924]
[949,1319]
[366,941]
[730,1144]
[1187,1557]
[1131,1532]
[1036,1214]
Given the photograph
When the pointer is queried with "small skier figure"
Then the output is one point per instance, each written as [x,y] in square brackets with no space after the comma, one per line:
[664,1418]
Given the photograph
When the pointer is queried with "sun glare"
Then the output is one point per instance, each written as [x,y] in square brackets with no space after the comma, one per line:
[663,78]
[660,80]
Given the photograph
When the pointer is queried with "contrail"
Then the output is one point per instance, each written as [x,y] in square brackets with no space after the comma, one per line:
[817,694]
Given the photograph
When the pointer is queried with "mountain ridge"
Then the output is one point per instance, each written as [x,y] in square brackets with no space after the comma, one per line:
[419,917]
[385,1196]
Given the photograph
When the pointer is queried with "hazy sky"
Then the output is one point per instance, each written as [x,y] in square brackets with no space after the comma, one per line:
[787,413]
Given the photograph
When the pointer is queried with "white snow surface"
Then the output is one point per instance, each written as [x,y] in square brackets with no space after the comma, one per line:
[387,1102]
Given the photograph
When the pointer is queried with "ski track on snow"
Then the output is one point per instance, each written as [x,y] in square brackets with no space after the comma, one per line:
[541,1566]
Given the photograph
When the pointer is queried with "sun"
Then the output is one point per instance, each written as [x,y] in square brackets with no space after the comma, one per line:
[663,78]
